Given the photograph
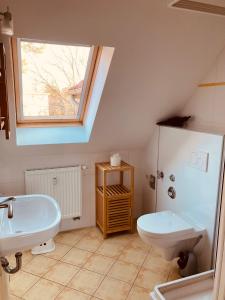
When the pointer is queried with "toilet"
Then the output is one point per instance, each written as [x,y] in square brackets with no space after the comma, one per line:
[170,232]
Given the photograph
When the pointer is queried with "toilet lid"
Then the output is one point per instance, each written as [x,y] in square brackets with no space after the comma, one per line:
[164,223]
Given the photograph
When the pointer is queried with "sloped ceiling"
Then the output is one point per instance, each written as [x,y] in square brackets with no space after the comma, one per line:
[161,54]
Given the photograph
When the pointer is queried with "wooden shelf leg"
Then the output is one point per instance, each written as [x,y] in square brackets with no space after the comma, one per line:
[105,216]
[132,198]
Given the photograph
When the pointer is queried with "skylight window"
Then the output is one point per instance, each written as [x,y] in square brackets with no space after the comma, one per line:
[53,81]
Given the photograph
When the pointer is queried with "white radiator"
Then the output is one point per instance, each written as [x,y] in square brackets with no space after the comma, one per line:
[63,184]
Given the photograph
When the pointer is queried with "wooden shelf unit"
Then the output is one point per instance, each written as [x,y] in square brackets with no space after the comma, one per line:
[114,202]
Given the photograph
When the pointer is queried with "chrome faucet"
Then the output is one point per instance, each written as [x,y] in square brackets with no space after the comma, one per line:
[8,203]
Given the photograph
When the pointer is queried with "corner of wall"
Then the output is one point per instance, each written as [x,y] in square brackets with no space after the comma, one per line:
[149,162]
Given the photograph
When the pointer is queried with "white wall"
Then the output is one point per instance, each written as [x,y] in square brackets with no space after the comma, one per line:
[197,189]
[207,108]
[207,105]
[150,163]
[12,168]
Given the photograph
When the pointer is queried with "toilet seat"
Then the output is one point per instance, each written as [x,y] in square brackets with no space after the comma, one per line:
[164,224]
[170,232]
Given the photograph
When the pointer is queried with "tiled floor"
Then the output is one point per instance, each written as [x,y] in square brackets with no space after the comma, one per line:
[84,266]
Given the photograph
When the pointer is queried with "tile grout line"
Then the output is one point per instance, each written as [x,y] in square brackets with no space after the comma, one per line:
[60,260]
[72,288]
[42,277]
[131,286]
[149,251]
[140,267]
[95,252]
[116,260]
[106,275]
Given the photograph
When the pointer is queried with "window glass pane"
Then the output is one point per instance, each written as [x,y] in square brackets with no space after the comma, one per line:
[52,79]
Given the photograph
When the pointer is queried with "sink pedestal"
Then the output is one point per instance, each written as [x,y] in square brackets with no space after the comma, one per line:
[4,285]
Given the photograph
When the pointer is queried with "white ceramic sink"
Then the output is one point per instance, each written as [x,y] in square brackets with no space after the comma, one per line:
[36,219]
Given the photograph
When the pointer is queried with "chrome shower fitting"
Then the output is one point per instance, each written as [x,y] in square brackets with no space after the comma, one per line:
[172,192]
[7,268]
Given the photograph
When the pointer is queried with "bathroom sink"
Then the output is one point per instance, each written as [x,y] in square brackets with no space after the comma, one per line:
[36,219]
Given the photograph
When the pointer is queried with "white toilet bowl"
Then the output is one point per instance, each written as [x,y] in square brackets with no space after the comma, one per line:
[170,232]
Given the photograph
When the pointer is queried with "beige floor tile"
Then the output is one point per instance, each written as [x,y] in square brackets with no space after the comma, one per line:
[21,282]
[155,252]
[124,271]
[77,257]
[89,243]
[112,289]
[110,249]
[173,275]
[137,242]
[61,273]
[122,239]
[59,252]
[69,238]
[39,265]
[95,232]
[148,279]
[12,297]
[89,282]
[27,257]
[133,255]
[43,289]
[99,263]
[83,231]
[70,294]
[157,264]
[134,235]
[138,293]
[86,281]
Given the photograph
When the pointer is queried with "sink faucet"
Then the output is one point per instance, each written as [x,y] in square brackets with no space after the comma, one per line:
[8,203]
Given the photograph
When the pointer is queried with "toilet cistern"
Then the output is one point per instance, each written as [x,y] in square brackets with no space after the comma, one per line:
[170,232]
